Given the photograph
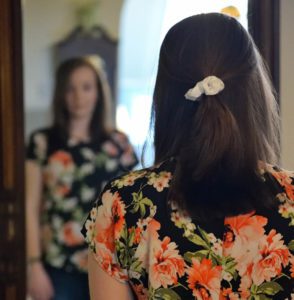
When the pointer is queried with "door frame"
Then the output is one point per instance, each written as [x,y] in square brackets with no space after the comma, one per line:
[12,217]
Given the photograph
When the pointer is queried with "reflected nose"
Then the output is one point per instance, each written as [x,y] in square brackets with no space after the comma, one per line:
[77,97]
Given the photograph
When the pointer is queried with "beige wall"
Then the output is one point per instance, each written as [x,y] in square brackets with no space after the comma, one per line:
[287,82]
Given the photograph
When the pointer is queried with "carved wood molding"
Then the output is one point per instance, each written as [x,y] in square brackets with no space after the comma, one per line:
[12,225]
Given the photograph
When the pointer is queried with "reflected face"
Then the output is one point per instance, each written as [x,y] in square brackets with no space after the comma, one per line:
[81,94]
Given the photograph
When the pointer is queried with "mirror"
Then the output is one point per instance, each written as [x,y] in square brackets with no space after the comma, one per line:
[122,39]
[123,34]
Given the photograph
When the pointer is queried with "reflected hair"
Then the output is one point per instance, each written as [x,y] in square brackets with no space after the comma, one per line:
[219,141]
[101,123]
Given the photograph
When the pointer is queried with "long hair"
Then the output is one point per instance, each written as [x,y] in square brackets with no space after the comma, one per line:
[100,124]
[218,141]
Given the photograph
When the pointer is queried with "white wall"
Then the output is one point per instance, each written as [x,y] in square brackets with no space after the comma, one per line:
[287,82]
[46,22]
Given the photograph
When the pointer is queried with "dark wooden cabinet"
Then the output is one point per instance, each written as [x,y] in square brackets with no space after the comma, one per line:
[12,223]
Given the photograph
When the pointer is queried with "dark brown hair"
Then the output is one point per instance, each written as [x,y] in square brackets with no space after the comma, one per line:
[219,140]
[100,123]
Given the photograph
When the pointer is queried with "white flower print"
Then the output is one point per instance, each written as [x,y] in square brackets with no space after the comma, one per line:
[111,165]
[88,154]
[87,194]
[86,169]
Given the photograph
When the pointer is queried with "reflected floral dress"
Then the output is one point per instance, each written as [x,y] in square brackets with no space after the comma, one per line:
[164,254]
[73,177]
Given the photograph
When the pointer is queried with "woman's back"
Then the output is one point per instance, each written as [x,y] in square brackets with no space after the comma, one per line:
[137,237]
[215,113]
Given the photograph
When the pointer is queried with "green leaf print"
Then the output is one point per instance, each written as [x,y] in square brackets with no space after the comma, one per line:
[142,210]
[204,236]
[196,239]
[166,294]
[136,265]
[259,297]
[100,159]
[146,201]
[198,255]
[269,288]
[131,238]
[230,266]
[140,203]
[291,245]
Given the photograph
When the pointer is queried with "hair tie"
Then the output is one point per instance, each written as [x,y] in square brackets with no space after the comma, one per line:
[209,86]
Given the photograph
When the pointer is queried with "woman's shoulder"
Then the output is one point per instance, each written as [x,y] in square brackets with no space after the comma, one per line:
[42,133]
[119,138]
[284,179]
[156,178]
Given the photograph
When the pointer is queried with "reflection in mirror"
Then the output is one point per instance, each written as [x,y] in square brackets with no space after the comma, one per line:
[73,148]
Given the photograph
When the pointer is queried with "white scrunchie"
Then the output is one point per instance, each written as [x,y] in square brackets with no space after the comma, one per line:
[210,85]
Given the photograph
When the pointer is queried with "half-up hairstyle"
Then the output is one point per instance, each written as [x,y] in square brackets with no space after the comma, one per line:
[219,141]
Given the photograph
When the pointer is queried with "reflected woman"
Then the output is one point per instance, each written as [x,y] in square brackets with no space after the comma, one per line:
[67,166]
[213,219]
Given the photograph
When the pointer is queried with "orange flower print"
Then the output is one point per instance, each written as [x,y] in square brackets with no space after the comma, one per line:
[108,263]
[204,279]
[241,239]
[71,235]
[137,234]
[274,255]
[62,157]
[140,291]
[62,190]
[286,180]
[247,227]
[59,173]
[110,219]
[228,294]
[245,285]
[166,264]
[149,238]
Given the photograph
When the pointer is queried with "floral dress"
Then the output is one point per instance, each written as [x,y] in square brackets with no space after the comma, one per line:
[73,177]
[136,237]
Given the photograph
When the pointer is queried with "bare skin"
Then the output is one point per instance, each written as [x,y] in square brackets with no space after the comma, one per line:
[103,286]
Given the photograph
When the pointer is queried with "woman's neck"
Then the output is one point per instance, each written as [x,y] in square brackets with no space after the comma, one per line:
[79,130]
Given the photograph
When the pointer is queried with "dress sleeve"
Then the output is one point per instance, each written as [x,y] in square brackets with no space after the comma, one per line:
[286,180]
[37,147]
[104,232]
[128,158]
[286,196]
